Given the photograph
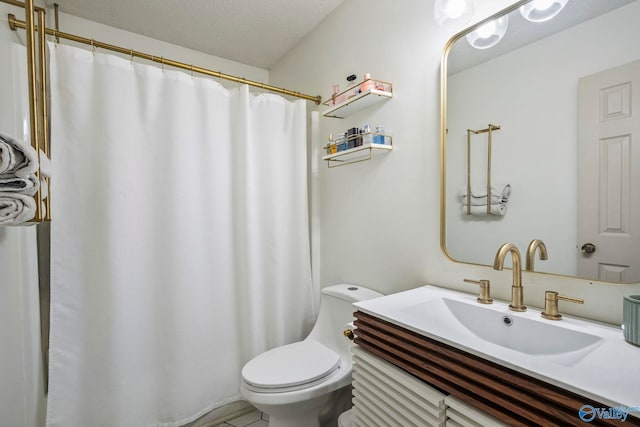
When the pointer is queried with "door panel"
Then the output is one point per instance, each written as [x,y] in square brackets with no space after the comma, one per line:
[609,174]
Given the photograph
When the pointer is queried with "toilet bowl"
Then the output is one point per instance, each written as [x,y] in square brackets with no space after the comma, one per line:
[308,383]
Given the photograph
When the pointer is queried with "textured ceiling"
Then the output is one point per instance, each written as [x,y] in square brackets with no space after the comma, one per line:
[253,32]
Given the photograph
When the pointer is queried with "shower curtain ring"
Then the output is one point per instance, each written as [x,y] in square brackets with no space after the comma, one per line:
[162,62]
[93,47]
[191,70]
[131,59]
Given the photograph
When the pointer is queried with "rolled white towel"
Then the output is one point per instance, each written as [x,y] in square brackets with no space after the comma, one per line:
[14,184]
[482,201]
[16,208]
[44,189]
[499,209]
[17,157]
[481,191]
[45,165]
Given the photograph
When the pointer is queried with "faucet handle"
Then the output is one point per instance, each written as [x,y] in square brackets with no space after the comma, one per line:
[485,290]
[551,304]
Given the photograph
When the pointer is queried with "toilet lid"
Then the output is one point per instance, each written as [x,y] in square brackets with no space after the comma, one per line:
[291,365]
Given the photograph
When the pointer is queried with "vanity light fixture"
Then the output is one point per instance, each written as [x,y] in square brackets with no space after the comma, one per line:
[450,13]
[542,10]
[489,34]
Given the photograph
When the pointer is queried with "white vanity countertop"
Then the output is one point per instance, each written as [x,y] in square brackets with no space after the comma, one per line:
[607,371]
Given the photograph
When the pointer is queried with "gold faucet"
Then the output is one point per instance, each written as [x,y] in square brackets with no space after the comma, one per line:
[531,253]
[516,288]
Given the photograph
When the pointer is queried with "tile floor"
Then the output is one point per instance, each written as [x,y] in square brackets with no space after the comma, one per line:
[252,419]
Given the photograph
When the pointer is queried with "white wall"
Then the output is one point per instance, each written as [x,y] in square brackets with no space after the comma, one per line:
[89,29]
[379,220]
[536,149]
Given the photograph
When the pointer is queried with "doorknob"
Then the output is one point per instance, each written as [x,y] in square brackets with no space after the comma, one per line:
[588,248]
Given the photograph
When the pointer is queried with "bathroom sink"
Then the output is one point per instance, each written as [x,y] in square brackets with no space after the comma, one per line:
[571,353]
[498,326]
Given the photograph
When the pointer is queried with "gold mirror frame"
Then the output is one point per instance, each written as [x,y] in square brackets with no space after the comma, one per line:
[443,121]
[443,140]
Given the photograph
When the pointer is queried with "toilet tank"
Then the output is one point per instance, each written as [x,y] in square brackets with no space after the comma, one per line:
[336,311]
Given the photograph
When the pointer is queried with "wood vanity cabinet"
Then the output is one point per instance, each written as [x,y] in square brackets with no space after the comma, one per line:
[505,394]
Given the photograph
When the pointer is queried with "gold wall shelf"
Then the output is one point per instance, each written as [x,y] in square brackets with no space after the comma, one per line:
[381,92]
[360,153]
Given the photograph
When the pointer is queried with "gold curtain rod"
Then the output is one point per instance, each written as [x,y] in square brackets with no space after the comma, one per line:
[15,23]
[21,5]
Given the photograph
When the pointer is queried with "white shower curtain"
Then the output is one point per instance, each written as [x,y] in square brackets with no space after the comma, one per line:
[180,244]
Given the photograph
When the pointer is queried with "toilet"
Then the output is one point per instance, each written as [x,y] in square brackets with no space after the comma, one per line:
[308,383]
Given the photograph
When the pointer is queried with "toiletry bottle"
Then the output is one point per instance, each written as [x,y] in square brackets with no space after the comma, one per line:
[341,143]
[332,145]
[336,96]
[368,84]
[352,137]
[367,137]
[378,138]
[355,90]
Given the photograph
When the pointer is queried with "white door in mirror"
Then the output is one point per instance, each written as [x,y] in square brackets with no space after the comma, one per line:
[609,174]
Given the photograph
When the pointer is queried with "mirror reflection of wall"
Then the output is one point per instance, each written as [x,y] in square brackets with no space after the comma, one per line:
[531,92]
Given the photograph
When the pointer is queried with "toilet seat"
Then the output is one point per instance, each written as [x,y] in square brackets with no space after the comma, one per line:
[291,367]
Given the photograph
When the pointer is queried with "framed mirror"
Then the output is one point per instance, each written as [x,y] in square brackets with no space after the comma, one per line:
[563,154]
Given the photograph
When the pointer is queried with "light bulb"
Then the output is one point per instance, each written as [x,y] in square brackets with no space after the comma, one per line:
[489,34]
[450,13]
[542,10]
[455,9]
[487,30]
[542,4]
